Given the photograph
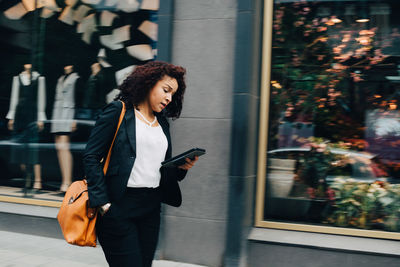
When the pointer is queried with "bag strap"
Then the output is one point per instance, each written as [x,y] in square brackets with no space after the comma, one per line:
[121,117]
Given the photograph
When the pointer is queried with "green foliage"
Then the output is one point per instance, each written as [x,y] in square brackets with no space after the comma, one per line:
[375,205]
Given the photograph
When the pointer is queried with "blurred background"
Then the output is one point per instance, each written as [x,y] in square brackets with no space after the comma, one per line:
[295,102]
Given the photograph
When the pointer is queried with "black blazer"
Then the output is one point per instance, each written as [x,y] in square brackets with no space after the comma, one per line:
[111,187]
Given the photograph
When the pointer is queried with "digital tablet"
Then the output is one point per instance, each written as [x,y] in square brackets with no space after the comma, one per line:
[181,158]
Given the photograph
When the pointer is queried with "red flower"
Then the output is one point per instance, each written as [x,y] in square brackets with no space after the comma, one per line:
[330,194]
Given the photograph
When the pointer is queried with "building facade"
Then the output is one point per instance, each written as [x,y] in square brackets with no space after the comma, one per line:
[295,102]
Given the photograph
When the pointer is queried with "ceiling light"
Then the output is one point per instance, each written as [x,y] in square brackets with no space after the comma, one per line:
[362,20]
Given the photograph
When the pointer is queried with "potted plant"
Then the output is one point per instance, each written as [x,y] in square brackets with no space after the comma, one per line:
[280,177]
[315,167]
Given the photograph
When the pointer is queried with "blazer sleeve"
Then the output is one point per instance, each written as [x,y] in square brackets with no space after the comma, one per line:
[96,149]
[173,173]
[177,173]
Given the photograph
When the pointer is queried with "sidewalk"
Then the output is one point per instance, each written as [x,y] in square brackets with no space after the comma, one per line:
[25,250]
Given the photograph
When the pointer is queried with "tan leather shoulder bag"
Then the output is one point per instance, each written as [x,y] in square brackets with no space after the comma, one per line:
[77,220]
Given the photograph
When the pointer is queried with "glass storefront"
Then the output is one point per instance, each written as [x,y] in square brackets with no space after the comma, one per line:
[334,115]
[62,61]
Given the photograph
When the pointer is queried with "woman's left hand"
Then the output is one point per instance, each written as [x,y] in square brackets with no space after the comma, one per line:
[189,163]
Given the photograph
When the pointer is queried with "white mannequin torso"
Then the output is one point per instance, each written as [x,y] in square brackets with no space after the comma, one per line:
[25,79]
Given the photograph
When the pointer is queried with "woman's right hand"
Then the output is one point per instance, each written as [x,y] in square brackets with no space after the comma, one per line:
[189,163]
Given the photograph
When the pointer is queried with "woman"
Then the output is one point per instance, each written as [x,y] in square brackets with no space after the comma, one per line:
[129,195]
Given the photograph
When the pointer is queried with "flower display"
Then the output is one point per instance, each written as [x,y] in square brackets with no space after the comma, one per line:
[334,107]
[368,206]
[318,61]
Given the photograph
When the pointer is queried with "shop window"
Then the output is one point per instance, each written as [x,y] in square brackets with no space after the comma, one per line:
[62,62]
[334,118]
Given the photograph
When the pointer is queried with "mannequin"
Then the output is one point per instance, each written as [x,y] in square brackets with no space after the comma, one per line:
[94,98]
[63,123]
[26,115]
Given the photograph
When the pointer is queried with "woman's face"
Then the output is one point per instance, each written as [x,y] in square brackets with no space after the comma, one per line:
[161,94]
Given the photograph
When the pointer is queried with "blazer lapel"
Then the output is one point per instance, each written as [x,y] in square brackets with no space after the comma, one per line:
[164,125]
[70,77]
[130,123]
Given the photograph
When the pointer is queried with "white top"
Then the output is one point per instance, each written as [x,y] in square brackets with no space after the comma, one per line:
[151,146]
[41,100]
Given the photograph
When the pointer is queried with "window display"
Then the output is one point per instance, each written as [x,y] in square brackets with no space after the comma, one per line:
[63,61]
[25,119]
[333,115]
[63,123]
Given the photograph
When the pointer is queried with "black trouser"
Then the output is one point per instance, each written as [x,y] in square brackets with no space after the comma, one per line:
[128,232]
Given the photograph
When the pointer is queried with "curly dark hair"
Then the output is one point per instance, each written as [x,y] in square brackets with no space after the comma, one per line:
[137,86]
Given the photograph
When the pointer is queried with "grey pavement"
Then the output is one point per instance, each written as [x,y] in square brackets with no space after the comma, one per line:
[26,250]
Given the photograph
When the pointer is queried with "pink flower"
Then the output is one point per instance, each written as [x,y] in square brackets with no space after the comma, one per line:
[321,148]
[378,52]
[330,194]
[298,23]
[337,50]
[279,14]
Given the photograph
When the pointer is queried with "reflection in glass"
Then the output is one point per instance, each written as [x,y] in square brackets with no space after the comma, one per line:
[62,122]
[334,115]
[26,115]
[100,42]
